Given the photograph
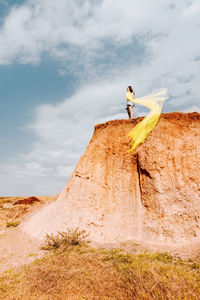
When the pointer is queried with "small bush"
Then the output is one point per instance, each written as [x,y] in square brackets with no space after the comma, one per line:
[12,223]
[65,239]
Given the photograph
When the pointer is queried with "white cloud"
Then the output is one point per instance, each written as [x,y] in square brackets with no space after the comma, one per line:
[62,132]
[66,30]
[62,72]
[60,27]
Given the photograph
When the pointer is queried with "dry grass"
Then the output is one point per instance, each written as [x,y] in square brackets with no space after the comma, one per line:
[85,273]
[157,276]
[12,223]
[70,275]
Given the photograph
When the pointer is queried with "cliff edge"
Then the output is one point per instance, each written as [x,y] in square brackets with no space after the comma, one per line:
[149,196]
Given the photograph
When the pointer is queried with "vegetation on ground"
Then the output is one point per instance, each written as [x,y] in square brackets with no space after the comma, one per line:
[65,239]
[12,223]
[75,271]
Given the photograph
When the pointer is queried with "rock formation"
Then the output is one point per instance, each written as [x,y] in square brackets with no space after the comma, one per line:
[27,201]
[151,195]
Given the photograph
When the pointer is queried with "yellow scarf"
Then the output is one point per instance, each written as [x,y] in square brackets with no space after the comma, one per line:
[154,102]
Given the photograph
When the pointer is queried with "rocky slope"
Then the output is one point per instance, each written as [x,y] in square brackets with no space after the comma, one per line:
[151,196]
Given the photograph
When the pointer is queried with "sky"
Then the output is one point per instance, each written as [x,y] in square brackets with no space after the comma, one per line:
[65,66]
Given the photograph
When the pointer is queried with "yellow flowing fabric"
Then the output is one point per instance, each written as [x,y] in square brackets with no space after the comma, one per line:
[154,102]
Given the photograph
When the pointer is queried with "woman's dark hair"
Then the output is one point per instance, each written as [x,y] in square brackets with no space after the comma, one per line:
[130,89]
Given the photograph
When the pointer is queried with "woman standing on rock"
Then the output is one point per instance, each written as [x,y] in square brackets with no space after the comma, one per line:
[130,95]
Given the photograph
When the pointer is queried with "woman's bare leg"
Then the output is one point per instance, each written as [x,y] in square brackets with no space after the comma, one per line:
[130,111]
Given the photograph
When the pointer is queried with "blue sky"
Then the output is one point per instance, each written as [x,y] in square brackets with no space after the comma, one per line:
[65,65]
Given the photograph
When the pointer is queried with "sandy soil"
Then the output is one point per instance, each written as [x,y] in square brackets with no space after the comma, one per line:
[17,248]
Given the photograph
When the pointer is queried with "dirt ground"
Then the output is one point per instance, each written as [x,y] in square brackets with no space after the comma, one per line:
[16,248]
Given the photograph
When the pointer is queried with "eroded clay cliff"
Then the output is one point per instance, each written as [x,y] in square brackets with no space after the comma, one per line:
[151,195]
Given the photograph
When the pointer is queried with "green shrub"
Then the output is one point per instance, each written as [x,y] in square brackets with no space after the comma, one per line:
[65,239]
